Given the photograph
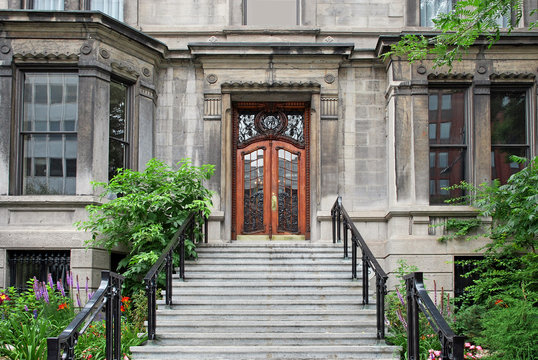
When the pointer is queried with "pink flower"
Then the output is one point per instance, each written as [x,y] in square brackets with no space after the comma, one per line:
[479,348]
[467,345]
[437,353]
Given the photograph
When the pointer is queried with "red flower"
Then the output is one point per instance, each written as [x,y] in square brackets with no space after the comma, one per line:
[498,302]
[125,299]
[122,308]
[3,297]
[63,306]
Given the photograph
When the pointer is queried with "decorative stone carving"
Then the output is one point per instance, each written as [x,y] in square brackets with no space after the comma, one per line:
[329,107]
[212,78]
[328,39]
[329,78]
[86,49]
[421,69]
[213,39]
[146,72]
[4,49]
[212,107]
[482,69]
[105,54]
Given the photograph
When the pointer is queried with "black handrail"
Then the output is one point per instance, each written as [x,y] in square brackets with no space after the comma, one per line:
[108,295]
[340,216]
[418,299]
[165,261]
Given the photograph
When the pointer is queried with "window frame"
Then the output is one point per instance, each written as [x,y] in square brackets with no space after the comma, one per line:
[467,144]
[527,89]
[17,172]
[298,17]
[129,120]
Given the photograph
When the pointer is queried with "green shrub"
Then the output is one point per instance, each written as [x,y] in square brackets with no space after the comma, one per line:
[147,208]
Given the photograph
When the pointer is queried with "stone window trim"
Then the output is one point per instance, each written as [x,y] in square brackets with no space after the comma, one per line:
[17,147]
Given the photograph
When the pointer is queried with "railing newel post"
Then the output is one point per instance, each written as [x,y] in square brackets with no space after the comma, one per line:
[353,257]
[182,257]
[109,321]
[412,316]
[116,288]
[206,228]
[333,223]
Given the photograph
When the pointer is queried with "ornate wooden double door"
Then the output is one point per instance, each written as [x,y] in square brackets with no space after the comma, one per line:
[271,169]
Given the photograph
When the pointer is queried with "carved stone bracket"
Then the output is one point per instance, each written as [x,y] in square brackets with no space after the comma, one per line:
[213,107]
[329,108]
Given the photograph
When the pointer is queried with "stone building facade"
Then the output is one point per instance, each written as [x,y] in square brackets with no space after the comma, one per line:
[293,106]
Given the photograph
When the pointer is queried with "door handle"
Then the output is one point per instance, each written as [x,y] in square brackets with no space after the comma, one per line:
[273,202]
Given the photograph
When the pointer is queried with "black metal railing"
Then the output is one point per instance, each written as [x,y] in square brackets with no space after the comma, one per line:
[166,261]
[419,300]
[342,221]
[25,264]
[108,295]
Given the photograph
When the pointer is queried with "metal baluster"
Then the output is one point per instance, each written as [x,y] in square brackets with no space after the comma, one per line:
[169,266]
[109,316]
[380,306]
[364,278]
[152,311]
[353,258]
[182,257]
[117,317]
[333,221]
[346,255]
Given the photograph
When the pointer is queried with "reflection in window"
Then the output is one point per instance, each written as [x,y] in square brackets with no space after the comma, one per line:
[113,8]
[118,146]
[48,133]
[508,132]
[271,12]
[448,145]
[430,9]
[47,4]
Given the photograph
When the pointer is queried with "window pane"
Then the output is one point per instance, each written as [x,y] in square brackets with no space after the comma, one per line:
[118,148]
[112,8]
[449,120]
[50,102]
[508,117]
[501,166]
[48,4]
[271,12]
[449,170]
[429,9]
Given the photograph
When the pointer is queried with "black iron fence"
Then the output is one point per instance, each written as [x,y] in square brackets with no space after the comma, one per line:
[419,300]
[107,296]
[25,264]
[187,230]
[342,221]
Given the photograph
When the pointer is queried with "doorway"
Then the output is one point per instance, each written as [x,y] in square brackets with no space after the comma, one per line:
[271,171]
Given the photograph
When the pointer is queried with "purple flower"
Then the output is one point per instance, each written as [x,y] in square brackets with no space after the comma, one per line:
[78,301]
[90,294]
[400,316]
[61,288]
[46,295]
[37,290]
[35,314]
[69,279]
[78,286]
[26,308]
[51,283]
[435,293]
[86,287]
[400,297]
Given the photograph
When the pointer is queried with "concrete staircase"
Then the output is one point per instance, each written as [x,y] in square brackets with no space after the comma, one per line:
[267,300]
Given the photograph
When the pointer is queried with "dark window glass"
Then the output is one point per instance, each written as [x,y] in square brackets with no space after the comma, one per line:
[430,9]
[24,265]
[462,265]
[508,132]
[118,136]
[448,145]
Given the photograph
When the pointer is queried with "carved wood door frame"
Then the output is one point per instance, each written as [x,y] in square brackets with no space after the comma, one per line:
[271,169]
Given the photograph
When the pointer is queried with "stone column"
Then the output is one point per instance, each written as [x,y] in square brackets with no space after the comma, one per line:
[6,81]
[421,149]
[92,139]
[481,141]
[146,111]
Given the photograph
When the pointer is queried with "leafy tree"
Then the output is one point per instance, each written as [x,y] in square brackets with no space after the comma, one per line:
[459,29]
[500,309]
[147,209]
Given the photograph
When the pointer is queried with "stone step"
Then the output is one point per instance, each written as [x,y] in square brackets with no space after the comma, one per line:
[269,283]
[380,352]
[264,339]
[303,261]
